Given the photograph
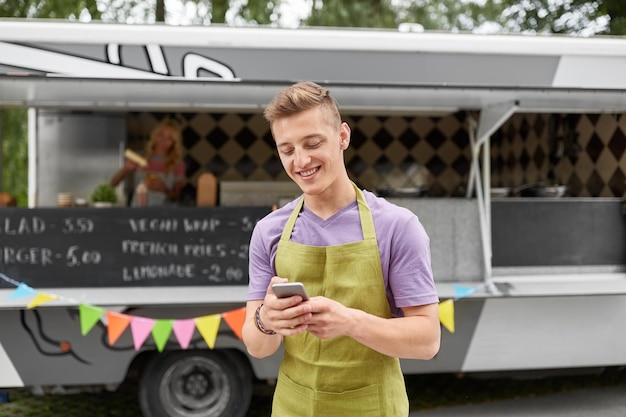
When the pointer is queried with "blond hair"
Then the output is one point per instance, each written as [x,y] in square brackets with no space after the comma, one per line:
[300,97]
[176,151]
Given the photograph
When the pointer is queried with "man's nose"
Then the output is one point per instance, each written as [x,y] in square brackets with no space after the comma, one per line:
[302,157]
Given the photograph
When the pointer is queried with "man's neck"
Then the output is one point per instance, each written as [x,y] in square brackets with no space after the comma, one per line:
[331,200]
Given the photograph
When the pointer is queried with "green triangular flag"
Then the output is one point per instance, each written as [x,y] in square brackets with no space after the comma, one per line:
[89,316]
[161,333]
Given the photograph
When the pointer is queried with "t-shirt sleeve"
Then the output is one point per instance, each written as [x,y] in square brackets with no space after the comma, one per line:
[260,270]
[410,272]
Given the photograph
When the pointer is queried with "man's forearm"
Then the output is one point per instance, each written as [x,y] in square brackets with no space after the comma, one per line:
[411,337]
[258,343]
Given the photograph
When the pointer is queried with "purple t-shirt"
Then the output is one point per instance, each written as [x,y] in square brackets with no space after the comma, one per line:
[402,242]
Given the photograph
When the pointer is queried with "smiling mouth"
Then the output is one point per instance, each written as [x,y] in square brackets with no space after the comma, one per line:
[308,172]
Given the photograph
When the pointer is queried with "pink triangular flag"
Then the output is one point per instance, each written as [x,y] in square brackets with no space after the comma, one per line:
[183,329]
[140,328]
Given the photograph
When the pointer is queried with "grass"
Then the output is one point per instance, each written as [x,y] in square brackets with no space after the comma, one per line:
[425,392]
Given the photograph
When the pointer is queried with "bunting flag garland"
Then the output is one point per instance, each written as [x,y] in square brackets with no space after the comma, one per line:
[161,329]
[141,327]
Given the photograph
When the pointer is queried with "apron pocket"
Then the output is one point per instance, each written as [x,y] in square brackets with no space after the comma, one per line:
[294,400]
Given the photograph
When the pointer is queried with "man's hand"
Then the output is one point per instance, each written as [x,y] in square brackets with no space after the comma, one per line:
[286,316]
[329,318]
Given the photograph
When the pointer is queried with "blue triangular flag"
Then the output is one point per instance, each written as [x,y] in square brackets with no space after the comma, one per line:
[22,290]
[462,291]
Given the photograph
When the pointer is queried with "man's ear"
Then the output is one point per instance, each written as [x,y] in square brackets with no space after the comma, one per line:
[344,134]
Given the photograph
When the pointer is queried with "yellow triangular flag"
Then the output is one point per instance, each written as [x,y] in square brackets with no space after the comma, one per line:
[42,298]
[446,314]
[208,327]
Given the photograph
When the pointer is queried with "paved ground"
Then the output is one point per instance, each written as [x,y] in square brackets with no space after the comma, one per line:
[596,402]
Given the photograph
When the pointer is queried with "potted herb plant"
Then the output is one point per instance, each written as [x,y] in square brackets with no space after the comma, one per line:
[104,195]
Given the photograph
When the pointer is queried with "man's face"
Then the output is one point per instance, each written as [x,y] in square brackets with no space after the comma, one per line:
[311,149]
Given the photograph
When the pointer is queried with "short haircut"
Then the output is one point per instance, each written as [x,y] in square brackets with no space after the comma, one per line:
[300,97]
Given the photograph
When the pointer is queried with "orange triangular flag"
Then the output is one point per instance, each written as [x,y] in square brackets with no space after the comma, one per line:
[446,314]
[42,298]
[208,327]
[235,319]
[117,323]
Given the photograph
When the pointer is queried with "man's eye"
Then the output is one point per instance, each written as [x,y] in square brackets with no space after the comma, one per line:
[314,145]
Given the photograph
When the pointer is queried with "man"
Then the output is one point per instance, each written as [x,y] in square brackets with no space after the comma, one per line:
[365,264]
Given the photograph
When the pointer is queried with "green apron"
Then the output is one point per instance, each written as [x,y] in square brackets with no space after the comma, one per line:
[338,377]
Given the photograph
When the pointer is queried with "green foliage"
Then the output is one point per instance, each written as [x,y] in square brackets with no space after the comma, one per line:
[262,12]
[104,193]
[582,17]
[449,15]
[353,13]
[616,10]
[14,154]
[54,9]
[547,16]
[585,17]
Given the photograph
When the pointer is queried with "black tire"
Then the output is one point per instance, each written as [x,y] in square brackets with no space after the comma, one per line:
[195,383]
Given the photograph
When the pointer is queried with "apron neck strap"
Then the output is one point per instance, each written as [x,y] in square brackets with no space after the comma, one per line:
[367,221]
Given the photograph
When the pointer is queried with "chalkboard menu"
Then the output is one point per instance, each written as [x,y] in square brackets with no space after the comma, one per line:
[112,247]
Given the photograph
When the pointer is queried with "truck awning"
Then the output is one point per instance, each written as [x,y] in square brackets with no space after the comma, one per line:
[209,94]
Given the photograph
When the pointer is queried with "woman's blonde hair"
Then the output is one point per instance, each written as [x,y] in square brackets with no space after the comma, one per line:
[300,97]
[176,151]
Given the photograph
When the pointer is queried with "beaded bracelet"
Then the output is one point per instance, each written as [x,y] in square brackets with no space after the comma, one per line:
[259,324]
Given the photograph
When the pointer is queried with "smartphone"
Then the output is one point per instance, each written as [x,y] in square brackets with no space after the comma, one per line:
[289,289]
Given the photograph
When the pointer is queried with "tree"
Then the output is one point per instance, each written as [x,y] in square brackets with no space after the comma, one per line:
[14,154]
[616,11]
[55,9]
[575,17]
[449,15]
[196,12]
[549,16]
[353,13]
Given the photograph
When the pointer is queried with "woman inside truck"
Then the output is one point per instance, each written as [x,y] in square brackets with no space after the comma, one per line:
[162,177]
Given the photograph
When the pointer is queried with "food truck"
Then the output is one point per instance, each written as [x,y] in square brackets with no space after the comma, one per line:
[511,150]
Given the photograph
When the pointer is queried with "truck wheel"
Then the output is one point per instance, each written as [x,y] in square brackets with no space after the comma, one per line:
[195,384]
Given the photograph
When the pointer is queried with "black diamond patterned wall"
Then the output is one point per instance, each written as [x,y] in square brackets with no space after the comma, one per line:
[585,152]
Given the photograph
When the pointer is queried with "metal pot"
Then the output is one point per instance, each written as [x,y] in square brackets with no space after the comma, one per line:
[401,192]
[538,189]
[552,191]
